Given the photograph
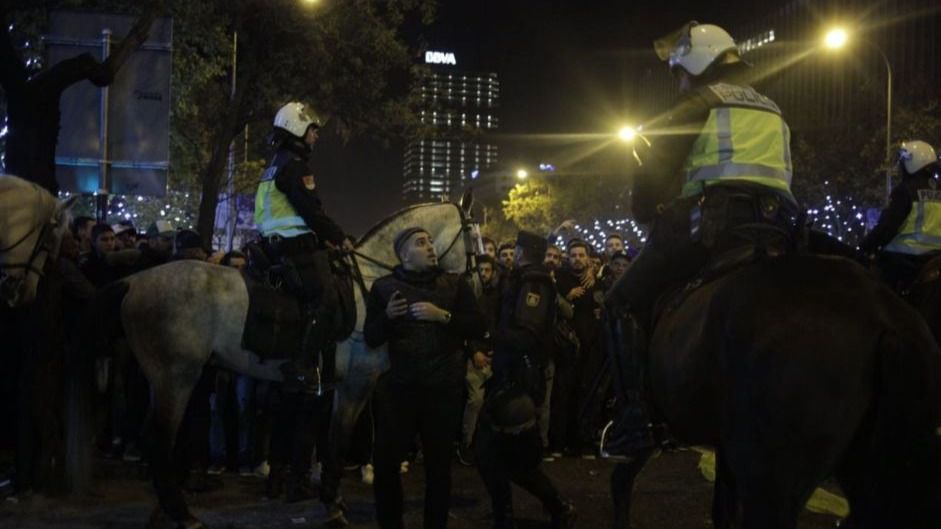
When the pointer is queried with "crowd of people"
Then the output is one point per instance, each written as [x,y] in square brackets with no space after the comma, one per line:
[229,424]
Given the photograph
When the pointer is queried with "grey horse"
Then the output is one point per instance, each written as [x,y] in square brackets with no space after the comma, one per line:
[178,316]
[32,222]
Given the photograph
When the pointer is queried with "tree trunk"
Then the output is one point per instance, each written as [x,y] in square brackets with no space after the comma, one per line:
[212,179]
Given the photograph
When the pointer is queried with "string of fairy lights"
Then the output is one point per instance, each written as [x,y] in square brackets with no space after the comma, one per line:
[843,218]
[177,207]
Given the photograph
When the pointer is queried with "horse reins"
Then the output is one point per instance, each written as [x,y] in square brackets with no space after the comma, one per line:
[391,268]
[39,247]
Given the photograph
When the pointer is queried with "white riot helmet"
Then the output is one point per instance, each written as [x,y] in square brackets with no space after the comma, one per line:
[295,117]
[695,47]
[916,155]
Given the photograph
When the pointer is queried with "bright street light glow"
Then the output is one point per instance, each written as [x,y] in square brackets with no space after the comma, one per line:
[836,38]
[627,134]
[522,174]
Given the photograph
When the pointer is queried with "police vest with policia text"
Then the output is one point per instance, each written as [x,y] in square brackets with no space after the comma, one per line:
[744,139]
[921,232]
[274,214]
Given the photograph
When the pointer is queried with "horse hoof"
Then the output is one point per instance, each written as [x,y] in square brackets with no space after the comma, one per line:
[192,522]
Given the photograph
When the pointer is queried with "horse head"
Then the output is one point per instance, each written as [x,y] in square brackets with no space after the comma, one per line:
[31,231]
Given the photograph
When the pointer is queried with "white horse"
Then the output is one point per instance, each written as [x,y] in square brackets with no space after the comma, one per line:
[179,315]
[32,223]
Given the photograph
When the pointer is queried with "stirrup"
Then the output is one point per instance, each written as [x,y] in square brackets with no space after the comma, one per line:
[625,447]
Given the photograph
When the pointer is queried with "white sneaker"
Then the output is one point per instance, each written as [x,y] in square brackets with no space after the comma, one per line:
[403,468]
[366,472]
[262,470]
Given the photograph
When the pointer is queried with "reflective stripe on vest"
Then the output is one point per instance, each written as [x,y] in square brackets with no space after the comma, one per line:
[921,232]
[274,214]
[744,141]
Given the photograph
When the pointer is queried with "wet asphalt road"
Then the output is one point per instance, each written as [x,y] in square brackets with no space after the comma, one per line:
[671,494]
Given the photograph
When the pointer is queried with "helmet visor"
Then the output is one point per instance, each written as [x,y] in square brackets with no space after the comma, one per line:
[675,45]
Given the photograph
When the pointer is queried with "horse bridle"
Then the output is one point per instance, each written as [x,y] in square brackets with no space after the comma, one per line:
[10,285]
[466,227]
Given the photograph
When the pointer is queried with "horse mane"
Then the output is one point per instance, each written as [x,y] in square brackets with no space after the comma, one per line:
[441,219]
[19,196]
[391,218]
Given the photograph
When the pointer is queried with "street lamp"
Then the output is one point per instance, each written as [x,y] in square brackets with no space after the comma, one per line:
[522,174]
[627,134]
[837,38]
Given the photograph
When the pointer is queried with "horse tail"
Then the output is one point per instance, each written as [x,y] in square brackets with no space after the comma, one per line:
[97,328]
[906,443]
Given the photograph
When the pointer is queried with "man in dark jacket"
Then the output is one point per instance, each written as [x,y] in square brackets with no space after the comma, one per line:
[424,315]
[479,352]
[578,284]
[96,267]
[508,441]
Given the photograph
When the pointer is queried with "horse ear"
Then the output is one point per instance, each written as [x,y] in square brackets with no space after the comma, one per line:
[66,205]
[467,200]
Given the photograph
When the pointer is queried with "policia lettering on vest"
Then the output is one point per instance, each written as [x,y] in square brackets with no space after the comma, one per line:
[724,156]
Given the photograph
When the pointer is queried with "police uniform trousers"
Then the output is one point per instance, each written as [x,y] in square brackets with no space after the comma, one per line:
[503,458]
[297,418]
[405,410]
[668,257]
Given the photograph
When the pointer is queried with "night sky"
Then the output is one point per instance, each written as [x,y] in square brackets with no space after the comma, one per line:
[563,68]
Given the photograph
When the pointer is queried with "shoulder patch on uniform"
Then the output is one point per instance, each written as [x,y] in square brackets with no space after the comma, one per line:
[533,299]
[743,96]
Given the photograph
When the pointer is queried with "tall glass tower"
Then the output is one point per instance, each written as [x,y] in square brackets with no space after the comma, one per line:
[457,110]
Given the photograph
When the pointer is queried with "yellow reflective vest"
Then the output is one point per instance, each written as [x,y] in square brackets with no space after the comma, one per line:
[274,214]
[921,232]
[744,139]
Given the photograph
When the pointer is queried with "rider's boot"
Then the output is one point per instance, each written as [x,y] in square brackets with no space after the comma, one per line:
[336,514]
[631,432]
[301,373]
[564,518]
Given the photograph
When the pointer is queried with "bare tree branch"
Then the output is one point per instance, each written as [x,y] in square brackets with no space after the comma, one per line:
[84,66]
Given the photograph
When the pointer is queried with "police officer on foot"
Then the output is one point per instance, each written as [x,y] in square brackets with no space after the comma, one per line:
[909,228]
[732,171]
[291,219]
[509,446]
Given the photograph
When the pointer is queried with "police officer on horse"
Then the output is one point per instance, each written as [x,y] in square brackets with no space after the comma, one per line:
[725,149]
[290,217]
[909,229]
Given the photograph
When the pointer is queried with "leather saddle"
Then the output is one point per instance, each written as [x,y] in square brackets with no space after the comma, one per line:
[275,325]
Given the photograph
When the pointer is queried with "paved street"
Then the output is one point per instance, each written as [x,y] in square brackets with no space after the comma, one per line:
[671,494]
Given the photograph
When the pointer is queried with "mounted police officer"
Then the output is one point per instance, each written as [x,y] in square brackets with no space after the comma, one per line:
[724,149]
[909,229]
[291,219]
[509,446]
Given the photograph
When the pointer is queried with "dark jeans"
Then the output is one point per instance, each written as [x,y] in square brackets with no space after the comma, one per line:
[563,414]
[404,411]
[669,258]
[589,404]
[503,458]
[297,419]
[242,388]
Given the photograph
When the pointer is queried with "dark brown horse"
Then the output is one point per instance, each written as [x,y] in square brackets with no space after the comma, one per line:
[796,369]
